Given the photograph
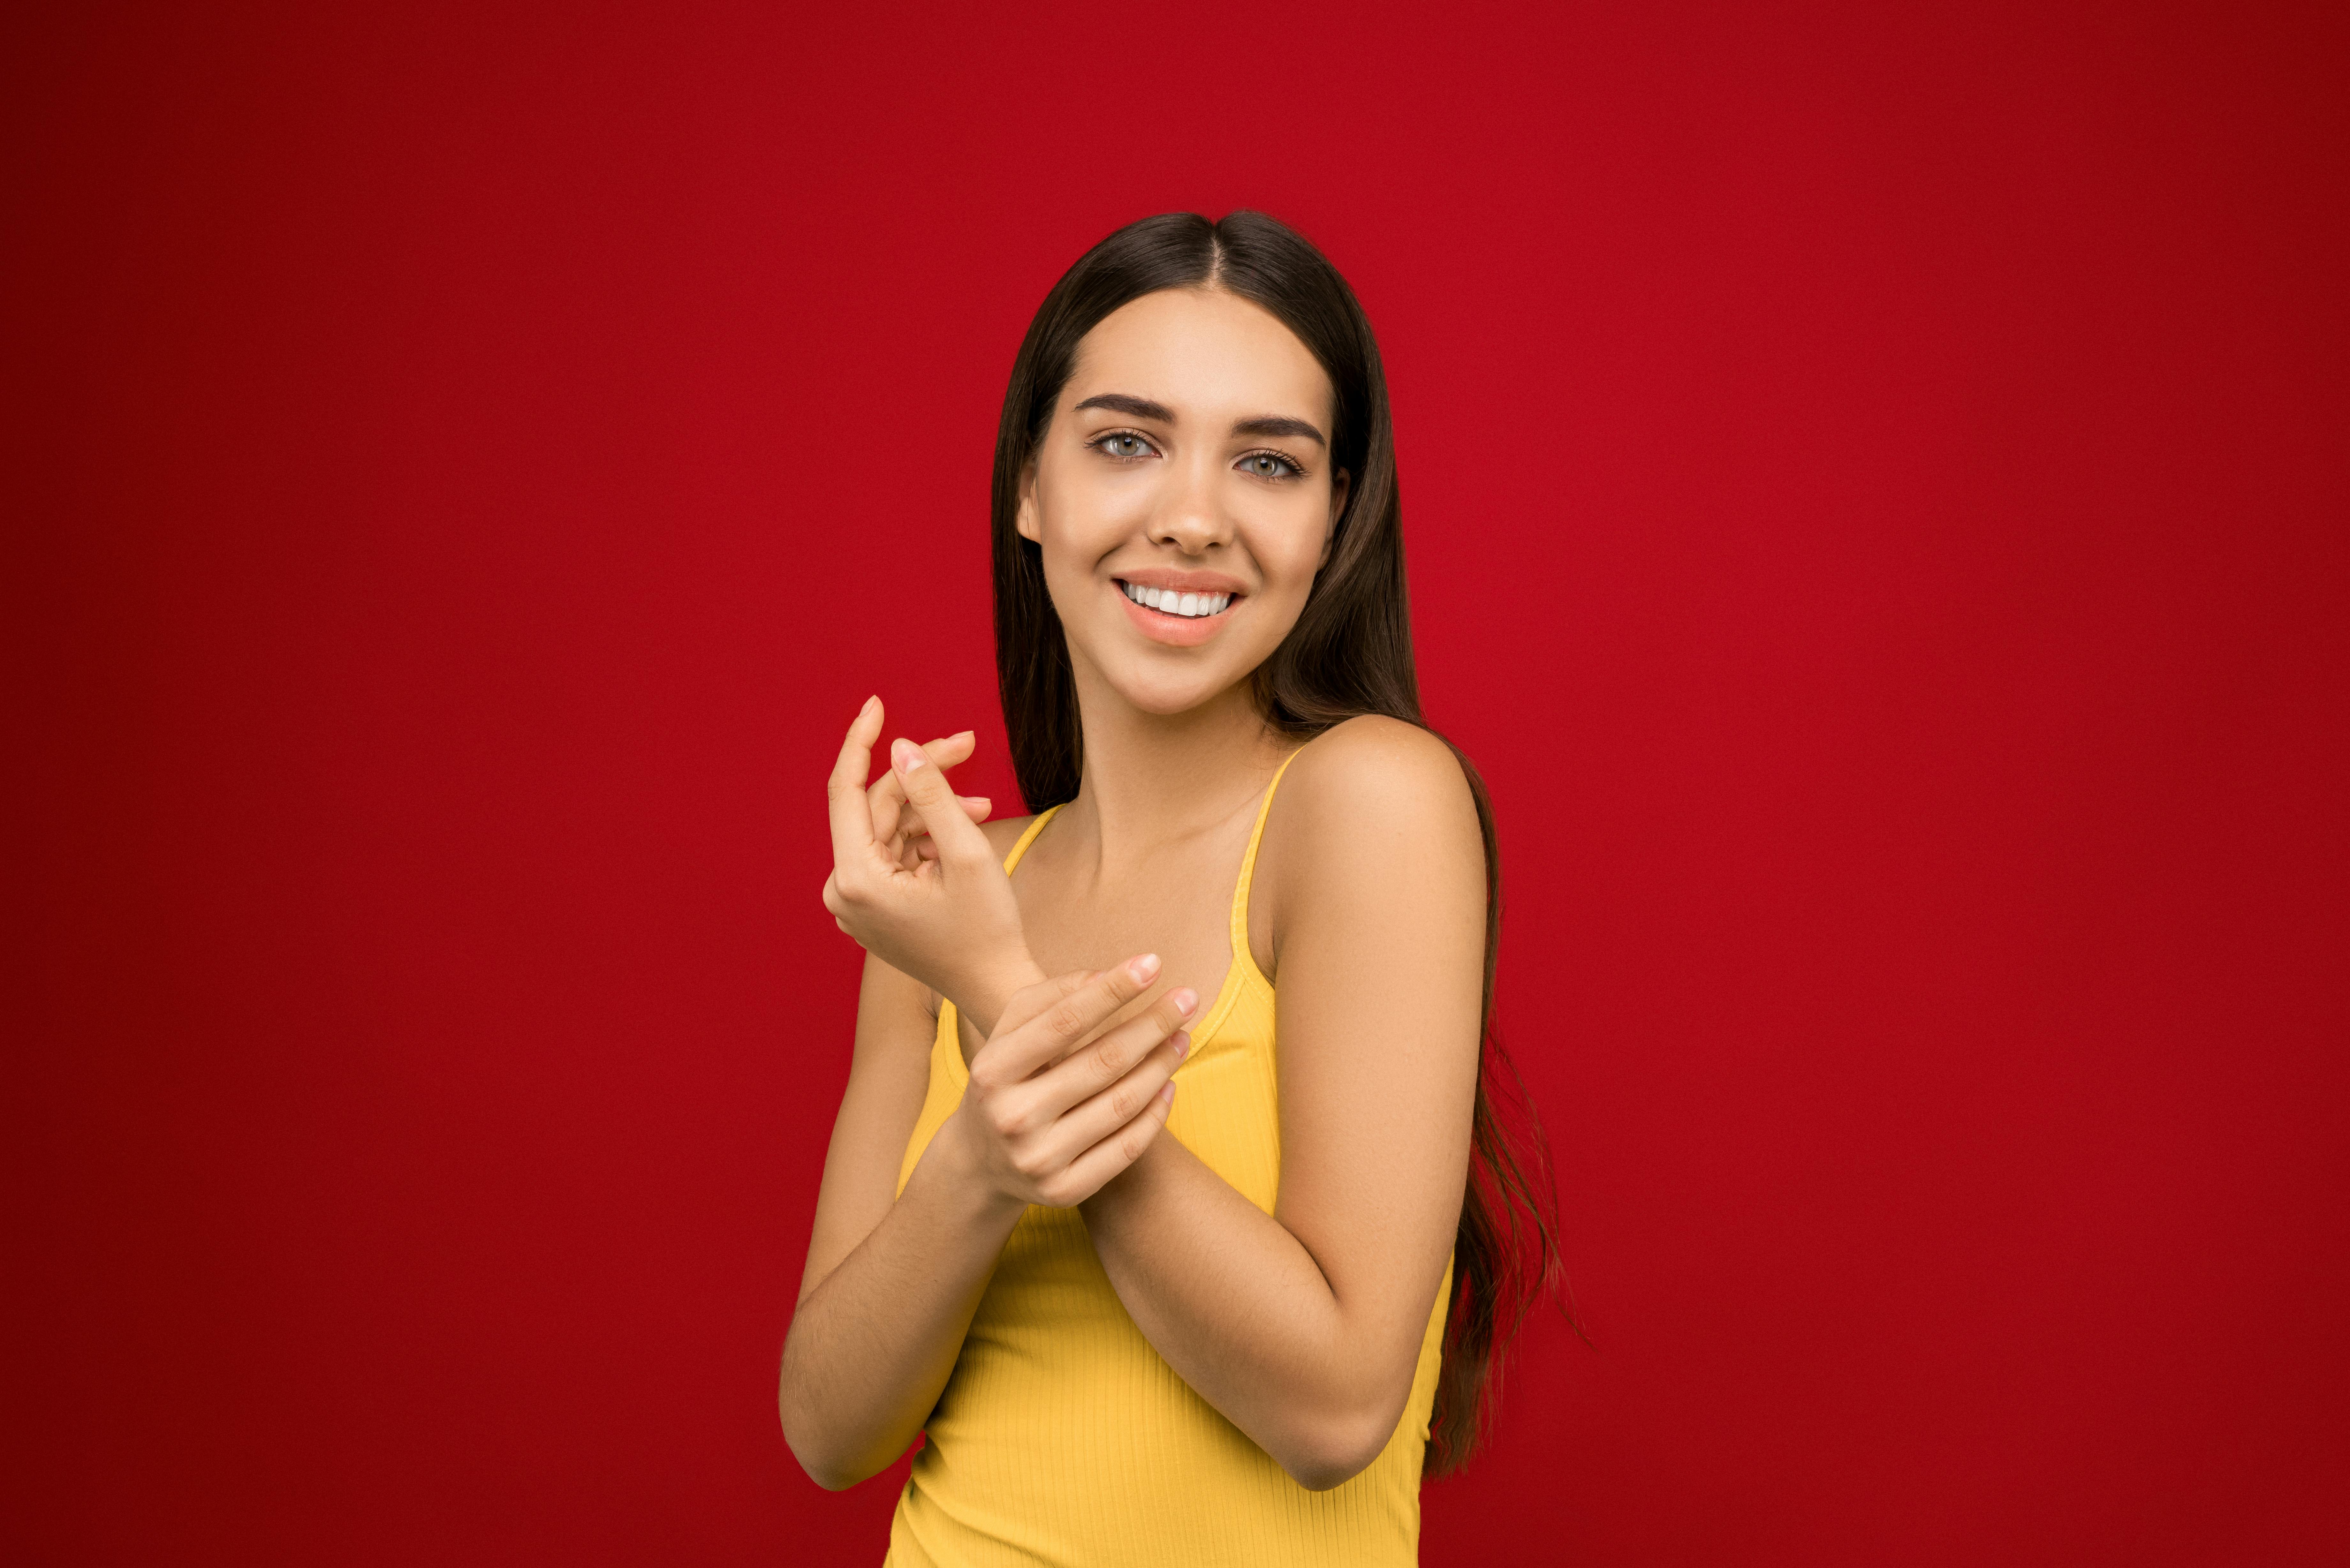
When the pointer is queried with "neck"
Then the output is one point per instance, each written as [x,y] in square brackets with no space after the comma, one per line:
[1154,779]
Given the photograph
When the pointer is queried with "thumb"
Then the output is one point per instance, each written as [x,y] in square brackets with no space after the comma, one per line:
[951,829]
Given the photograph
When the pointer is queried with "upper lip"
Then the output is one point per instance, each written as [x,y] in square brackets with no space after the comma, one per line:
[1181,582]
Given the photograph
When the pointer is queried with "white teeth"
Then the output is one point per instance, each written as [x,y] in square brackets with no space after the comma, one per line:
[1168,601]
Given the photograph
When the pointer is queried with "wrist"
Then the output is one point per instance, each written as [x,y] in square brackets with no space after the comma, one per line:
[981,996]
[965,1176]
[1131,1188]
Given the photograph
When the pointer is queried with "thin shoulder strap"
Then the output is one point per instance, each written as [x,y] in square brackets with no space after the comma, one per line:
[1038,826]
[1248,861]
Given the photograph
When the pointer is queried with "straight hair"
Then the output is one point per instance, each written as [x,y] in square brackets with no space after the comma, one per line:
[1349,654]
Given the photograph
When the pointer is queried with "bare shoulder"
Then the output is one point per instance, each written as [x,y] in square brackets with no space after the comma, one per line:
[1377,775]
[1373,815]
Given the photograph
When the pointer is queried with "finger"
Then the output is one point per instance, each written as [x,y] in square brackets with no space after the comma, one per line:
[1026,1004]
[1107,1061]
[852,820]
[951,750]
[958,839]
[886,798]
[887,802]
[1089,1121]
[1094,1169]
[1050,1025]
[921,846]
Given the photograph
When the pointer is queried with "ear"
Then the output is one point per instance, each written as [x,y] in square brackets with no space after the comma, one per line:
[1030,525]
[1341,485]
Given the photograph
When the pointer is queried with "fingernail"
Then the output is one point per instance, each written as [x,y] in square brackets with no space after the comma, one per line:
[868,704]
[1166,1092]
[1145,968]
[1186,1001]
[910,755]
[1183,1038]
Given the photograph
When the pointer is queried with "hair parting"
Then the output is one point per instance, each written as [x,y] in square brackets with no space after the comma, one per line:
[1349,654]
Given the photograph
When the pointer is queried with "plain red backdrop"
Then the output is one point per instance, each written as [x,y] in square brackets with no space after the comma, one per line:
[1877,482]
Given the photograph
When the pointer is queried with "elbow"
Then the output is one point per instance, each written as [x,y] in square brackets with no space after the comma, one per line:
[1337,1448]
[828,1468]
[827,1462]
[832,1478]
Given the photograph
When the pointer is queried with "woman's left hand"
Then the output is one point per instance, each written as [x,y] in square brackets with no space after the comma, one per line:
[898,826]
[939,907]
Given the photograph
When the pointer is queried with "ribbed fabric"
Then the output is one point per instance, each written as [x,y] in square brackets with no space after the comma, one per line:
[1063,1439]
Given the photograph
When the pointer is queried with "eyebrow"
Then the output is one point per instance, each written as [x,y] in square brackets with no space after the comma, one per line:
[1278,425]
[1132,407]
[1136,408]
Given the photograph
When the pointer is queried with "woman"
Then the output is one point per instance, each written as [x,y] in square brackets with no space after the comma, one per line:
[1150,1301]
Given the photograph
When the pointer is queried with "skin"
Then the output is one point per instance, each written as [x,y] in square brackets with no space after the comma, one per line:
[1073,981]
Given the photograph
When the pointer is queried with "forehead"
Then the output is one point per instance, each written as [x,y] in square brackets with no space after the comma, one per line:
[1202,352]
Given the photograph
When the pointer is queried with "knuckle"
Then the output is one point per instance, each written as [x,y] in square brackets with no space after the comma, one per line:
[1065,1018]
[1109,1063]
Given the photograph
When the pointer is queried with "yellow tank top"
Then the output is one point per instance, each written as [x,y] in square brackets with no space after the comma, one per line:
[1063,1439]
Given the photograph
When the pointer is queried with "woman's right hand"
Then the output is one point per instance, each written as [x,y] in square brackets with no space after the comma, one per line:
[1051,1113]
[945,916]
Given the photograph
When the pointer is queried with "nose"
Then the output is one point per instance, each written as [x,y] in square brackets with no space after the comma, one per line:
[1191,517]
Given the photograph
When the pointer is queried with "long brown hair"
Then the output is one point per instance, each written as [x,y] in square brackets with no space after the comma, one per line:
[1349,654]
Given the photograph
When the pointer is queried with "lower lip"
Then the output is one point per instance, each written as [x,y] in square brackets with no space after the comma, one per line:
[1175,630]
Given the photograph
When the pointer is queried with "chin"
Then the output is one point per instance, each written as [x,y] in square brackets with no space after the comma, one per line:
[1165,698]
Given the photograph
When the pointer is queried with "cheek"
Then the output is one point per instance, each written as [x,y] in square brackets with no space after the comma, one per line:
[1288,547]
[1084,516]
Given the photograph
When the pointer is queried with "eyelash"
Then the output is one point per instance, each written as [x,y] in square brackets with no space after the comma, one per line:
[1296,470]
[1099,441]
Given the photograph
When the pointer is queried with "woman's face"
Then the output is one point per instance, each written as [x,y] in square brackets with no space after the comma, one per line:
[1183,495]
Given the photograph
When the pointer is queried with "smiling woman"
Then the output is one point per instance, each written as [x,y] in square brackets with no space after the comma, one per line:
[1237,1341]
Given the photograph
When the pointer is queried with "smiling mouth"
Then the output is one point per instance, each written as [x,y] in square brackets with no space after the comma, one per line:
[1166,601]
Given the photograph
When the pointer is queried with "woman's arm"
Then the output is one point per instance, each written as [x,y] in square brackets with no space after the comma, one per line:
[1050,1114]
[855,1387]
[1303,1326]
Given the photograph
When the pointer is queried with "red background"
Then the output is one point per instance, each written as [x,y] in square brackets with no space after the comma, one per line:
[1876,486]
